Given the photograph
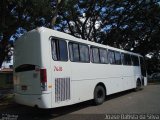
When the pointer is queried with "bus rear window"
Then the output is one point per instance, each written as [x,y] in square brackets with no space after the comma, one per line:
[25,67]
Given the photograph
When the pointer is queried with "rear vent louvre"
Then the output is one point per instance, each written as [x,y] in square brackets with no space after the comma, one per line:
[62,89]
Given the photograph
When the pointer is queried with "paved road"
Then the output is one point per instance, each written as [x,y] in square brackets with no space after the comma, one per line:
[146,101]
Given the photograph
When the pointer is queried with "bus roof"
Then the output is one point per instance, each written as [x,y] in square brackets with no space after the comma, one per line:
[68,37]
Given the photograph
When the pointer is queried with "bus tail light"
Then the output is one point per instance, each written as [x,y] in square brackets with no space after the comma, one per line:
[43,77]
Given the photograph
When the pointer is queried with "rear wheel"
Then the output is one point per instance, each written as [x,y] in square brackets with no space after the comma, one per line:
[138,85]
[99,95]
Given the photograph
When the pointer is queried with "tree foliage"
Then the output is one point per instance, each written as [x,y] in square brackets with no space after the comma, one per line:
[127,24]
[123,24]
[24,14]
[132,25]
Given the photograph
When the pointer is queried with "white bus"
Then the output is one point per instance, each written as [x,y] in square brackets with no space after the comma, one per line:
[53,69]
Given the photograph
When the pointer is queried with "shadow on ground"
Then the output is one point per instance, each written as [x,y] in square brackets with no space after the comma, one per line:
[29,113]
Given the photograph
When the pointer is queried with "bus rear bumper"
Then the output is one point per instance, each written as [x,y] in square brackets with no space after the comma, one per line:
[40,101]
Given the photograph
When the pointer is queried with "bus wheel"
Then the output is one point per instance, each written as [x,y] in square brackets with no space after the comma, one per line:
[99,95]
[138,85]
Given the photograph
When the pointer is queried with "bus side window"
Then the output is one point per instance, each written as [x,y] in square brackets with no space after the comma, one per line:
[74,52]
[79,52]
[126,59]
[95,55]
[122,58]
[84,53]
[59,50]
[118,58]
[103,55]
[135,61]
[111,57]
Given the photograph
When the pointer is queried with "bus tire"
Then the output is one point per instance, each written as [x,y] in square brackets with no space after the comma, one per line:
[138,85]
[99,95]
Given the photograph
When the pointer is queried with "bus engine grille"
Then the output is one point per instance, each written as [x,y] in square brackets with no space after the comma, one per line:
[62,89]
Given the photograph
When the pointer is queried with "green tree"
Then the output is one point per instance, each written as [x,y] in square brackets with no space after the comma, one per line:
[26,14]
[131,25]
[123,24]
[81,18]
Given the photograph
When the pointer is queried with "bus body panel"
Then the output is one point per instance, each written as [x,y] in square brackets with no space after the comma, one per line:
[46,58]
[62,84]
[26,50]
[27,84]
[40,101]
[145,81]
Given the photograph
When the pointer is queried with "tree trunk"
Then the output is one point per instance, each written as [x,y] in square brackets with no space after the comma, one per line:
[3,48]
[1,59]
[2,52]
[59,5]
